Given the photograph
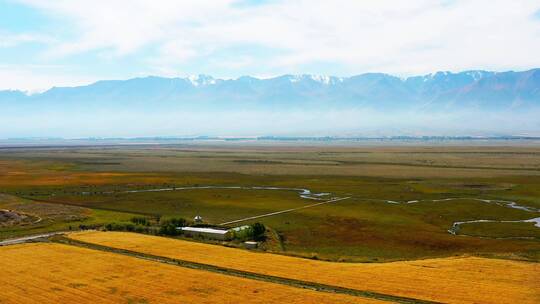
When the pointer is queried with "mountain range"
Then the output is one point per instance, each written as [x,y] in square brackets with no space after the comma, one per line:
[478,103]
[440,91]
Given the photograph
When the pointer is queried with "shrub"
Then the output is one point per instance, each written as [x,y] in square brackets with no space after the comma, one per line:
[88,227]
[168,229]
[168,226]
[178,222]
[244,234]
[140,220]
[130,227]
[116,226]
[258,232]
[254,232]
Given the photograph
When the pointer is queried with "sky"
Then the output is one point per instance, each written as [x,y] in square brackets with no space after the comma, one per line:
[73,42]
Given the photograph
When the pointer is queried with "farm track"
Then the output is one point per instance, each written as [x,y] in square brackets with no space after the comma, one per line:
[244,274]
[284,211]
[29,238]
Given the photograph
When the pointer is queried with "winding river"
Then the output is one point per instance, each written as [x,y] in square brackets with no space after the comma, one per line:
[303,193]
[308,194]
[454,229]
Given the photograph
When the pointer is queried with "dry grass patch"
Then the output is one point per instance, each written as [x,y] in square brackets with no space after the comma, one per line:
[450,280]
[16,173]
[54,273]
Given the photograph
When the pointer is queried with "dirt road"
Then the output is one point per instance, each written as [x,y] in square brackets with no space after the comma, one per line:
[28,238]
[284,211]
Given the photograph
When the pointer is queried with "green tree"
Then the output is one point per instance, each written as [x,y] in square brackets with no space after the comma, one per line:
[258,231]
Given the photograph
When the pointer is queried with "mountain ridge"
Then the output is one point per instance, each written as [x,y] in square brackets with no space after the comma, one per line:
[443,90]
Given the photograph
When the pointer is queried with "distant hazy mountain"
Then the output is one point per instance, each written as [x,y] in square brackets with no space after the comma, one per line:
[479,90]
[443,103]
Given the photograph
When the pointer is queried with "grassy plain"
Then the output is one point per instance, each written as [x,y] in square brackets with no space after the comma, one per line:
[362,228]
[449,280]
[54,273]
[54,217]
[217,205]
[501,230]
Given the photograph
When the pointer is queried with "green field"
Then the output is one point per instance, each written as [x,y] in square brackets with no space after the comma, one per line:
[369,226]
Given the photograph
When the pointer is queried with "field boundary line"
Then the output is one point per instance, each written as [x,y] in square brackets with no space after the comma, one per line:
[244,274]
[284,211]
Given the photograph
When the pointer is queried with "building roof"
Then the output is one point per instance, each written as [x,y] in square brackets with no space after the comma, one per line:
[205,230]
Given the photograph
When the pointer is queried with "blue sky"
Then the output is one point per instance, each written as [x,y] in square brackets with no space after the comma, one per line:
[71,42]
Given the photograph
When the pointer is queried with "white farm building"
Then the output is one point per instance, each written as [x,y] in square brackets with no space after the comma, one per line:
[209,233]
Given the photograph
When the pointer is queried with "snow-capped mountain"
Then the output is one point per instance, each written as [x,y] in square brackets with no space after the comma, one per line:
[442,103]
[441,90]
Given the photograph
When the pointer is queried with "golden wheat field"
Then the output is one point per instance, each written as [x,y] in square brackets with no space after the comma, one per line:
[449,280]
[55,273]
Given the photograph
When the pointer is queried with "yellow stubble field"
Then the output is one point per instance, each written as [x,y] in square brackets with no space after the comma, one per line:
[56,273]
[449,280]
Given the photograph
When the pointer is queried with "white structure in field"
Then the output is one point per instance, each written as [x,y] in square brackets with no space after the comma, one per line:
[209,233]
[251,245]
[198,219]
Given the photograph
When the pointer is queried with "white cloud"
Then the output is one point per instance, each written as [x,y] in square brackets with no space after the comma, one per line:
[12,40]
[403,37]
[125,26]
[38,78]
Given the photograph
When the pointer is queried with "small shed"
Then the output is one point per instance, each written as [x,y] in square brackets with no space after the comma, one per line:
[198,219]
[209,233]
[251,245]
